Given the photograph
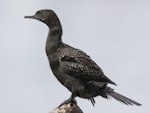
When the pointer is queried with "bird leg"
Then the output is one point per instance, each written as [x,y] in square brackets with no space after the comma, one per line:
[70,100]
[72,97]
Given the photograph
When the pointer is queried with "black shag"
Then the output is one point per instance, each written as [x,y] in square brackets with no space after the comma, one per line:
[74,68]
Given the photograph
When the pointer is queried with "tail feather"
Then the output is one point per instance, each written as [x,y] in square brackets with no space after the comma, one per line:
[122,98]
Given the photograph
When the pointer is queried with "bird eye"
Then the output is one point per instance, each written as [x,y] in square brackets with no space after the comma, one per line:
[39,13]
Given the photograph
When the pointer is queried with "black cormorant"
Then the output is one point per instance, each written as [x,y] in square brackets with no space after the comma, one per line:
[74,68]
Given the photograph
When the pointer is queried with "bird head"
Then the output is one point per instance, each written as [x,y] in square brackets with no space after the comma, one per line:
[46,16]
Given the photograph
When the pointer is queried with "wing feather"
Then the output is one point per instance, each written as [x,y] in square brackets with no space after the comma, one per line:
[77,63]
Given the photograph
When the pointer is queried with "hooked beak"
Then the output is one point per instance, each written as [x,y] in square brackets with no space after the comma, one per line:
[34,17]
[31,17]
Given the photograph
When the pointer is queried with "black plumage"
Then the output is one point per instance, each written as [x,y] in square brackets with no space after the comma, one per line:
[74,68]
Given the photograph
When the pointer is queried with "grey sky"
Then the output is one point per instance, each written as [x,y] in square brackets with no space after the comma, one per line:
[116,34]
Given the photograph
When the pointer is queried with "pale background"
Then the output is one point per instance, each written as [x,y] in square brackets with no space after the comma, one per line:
[115,33]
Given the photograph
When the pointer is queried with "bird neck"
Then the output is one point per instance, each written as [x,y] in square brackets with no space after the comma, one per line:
[54,38]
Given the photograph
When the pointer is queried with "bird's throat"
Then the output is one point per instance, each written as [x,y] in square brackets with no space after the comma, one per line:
[53,39]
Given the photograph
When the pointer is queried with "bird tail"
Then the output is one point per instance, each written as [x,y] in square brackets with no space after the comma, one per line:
[110,92]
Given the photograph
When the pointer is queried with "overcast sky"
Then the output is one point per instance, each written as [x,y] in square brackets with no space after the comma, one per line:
[115,33]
